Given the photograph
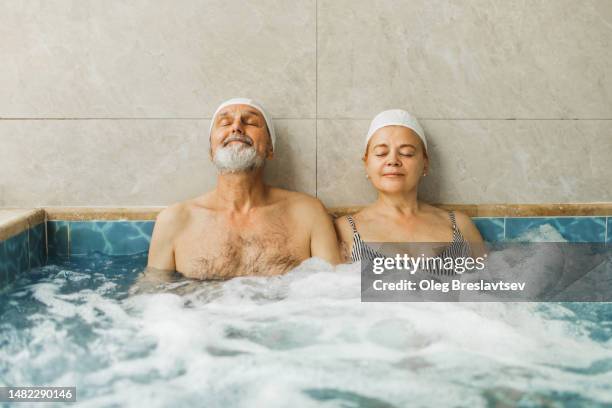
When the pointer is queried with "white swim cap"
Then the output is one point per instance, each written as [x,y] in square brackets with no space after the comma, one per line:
[252,103]
[395,117]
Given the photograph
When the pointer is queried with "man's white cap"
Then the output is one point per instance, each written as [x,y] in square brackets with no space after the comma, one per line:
[395,117]
[252,103]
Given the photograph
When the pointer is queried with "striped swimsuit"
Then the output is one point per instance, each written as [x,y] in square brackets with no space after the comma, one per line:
[459,247]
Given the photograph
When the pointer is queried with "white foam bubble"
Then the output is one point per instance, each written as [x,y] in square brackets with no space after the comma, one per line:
[301,339]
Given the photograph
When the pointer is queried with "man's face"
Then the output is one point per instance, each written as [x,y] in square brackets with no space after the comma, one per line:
[239,139]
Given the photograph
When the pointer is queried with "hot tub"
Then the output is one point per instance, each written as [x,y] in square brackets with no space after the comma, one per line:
[69,316]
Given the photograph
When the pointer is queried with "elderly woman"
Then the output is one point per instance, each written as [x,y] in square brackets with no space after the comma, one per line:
[395,162]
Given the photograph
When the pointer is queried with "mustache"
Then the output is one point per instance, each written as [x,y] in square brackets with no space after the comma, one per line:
[238,138]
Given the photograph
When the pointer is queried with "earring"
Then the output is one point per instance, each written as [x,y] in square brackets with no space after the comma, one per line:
[367,176]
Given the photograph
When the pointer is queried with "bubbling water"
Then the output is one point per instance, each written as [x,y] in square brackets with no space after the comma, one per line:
[301,339]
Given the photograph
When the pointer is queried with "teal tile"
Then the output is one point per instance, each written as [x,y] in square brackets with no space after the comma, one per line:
[128,238]
[16,255]
[87,237]
[491,229]
[571,229]
[3,266]
[57,238]
[36,238]
[609,231]
[110,237]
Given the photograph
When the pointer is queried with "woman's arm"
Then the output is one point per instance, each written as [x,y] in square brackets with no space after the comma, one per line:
[471,234]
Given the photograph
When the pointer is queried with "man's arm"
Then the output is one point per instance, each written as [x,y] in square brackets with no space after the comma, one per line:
[160,266]
[323,239]
[161,251]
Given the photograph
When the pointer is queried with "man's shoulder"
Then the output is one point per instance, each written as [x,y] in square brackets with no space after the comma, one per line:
[300,205]
[302,201]
[174,215]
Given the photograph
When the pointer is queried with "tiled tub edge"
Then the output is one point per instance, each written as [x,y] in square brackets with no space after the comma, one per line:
[42,239]
[22,245]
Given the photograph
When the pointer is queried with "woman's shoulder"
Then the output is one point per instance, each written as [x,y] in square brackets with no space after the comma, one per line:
[435,212]
[461,218]
[467,227]
[347,224]
[445,216]
[365,214]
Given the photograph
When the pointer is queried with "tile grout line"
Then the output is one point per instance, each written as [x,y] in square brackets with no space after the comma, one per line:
[505,228]
[294,118]
[136,118]
[475,119]
[316,98]
[606,219]
[46,220]
[68,239]
[28,248]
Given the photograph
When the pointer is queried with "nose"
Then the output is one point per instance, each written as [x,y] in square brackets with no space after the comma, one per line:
[237,126]
[393,160]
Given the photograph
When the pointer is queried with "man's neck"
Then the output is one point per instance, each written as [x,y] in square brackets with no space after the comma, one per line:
[241,191]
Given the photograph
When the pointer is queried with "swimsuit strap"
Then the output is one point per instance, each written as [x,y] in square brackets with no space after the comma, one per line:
[350,220]
[451,214]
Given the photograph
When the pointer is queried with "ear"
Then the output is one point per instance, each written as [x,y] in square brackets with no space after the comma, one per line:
[270,148]
[364,158]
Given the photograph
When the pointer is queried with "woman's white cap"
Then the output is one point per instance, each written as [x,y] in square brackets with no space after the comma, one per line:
[252,103]
[395,117]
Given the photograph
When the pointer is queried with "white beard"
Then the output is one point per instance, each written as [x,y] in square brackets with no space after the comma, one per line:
[237,158]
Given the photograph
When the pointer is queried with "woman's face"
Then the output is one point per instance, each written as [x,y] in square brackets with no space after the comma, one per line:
[395,159]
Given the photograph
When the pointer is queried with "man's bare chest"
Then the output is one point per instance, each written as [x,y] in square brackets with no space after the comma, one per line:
[215,250]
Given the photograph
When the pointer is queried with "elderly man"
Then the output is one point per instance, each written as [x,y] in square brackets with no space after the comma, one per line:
[242,227]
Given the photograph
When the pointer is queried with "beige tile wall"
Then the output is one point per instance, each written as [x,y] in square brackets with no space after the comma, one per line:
[108,103]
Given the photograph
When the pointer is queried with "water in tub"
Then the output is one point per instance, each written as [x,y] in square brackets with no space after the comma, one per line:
[303,339]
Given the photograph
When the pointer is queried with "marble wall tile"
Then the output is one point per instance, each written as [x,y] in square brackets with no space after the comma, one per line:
[571,229]
[86,58]
[491,229]
[471,59]
[480,161]
[294,164]
[131,162]
[306,60]
[341,177]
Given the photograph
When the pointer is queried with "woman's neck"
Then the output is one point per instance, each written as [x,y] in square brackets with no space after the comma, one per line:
[405,204]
